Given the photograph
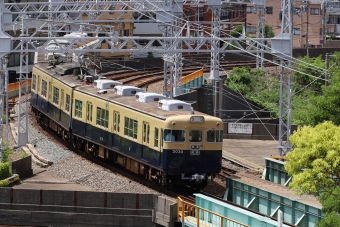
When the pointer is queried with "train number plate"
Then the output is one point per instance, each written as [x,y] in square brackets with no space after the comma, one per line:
[194,152]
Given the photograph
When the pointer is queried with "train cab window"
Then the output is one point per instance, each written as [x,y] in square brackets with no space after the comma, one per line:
[195,136]
[146,132]
[89,111]
[68,102]
[116,124]
[171,135]
[44,88]
[34,83]
[215,136]
[38,85]
[156,137]
[102,117]
[55,95]
[78,109]
[131,127]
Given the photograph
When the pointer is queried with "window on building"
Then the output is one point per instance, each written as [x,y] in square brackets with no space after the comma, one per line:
[116,124]
[146,132]
[44,88]
[34,84]
[251,29]
[314,11]
[269,10]
[156,137]
[188,15]
[296,31]
[102,117]
[251,9]
[55,95]
[200,14]
[225,14]
[78,109]
[89,111]
[68,102]
[131,127]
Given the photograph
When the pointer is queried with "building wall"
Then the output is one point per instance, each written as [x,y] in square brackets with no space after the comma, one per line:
[313,15]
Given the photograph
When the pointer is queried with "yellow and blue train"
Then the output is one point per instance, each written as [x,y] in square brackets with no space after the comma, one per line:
[162,139]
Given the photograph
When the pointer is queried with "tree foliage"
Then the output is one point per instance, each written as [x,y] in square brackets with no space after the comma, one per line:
[256,86]
[314,164]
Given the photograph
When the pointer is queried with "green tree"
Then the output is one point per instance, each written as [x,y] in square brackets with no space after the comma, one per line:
[314,164]
[236,33]
[256,86]
[268,32]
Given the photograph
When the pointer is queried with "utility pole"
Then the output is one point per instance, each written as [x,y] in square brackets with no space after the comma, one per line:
[328,58]
[307,27]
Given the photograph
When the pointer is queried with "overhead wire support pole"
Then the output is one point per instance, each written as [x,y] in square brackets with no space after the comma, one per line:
[282,47]
[215,6]
[23,87]
[5,42]
[261,21]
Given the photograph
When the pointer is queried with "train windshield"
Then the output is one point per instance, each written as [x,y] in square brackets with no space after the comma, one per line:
[195,136]
[215,136]
[171,135]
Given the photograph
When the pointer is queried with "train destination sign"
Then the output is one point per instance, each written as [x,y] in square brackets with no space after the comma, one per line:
[240,128]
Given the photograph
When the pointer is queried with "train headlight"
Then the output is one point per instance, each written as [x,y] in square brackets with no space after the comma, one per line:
[197,119]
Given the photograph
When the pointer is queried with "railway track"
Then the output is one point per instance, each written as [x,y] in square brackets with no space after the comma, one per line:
[147,77]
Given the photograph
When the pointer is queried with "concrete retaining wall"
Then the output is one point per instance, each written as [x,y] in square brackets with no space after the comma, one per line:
[83,208]
[23,167]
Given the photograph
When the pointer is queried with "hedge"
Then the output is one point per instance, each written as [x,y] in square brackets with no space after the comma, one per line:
[4,183]
[5,170]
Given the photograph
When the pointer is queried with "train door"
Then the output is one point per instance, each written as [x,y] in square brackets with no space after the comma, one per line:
[61,103]
[88,127]
[116,127]
[161,144]
[49,96]
[146,139]
[38,90]
[105,123]
[196,140]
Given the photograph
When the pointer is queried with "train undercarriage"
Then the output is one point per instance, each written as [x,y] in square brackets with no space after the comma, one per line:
[139,168]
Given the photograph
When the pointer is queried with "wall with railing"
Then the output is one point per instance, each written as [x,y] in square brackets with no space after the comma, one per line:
[192,215]
[13,88]
[192,80]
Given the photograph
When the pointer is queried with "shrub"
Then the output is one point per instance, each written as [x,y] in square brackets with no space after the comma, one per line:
[4,183]
[5,170]
[6,152]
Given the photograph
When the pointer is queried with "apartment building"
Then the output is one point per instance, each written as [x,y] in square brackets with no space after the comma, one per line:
[307,22]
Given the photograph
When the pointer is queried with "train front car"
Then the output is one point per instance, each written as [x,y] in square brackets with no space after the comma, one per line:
[192,148]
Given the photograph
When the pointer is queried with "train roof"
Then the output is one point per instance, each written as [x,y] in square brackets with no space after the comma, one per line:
[62,72]
[151,108]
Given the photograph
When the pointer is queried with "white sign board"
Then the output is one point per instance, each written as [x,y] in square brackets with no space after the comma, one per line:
[240,128]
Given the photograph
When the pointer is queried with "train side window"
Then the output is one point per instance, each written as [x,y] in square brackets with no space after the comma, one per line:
[49,90]
[89,111]
[68,101]
[131,127]
[146,132]
[102,117]
[38,86]
[215,136]
[156,137]
[44,88]
[55,95]
[78,109]
[116,125]
[34,84]
[62,98]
